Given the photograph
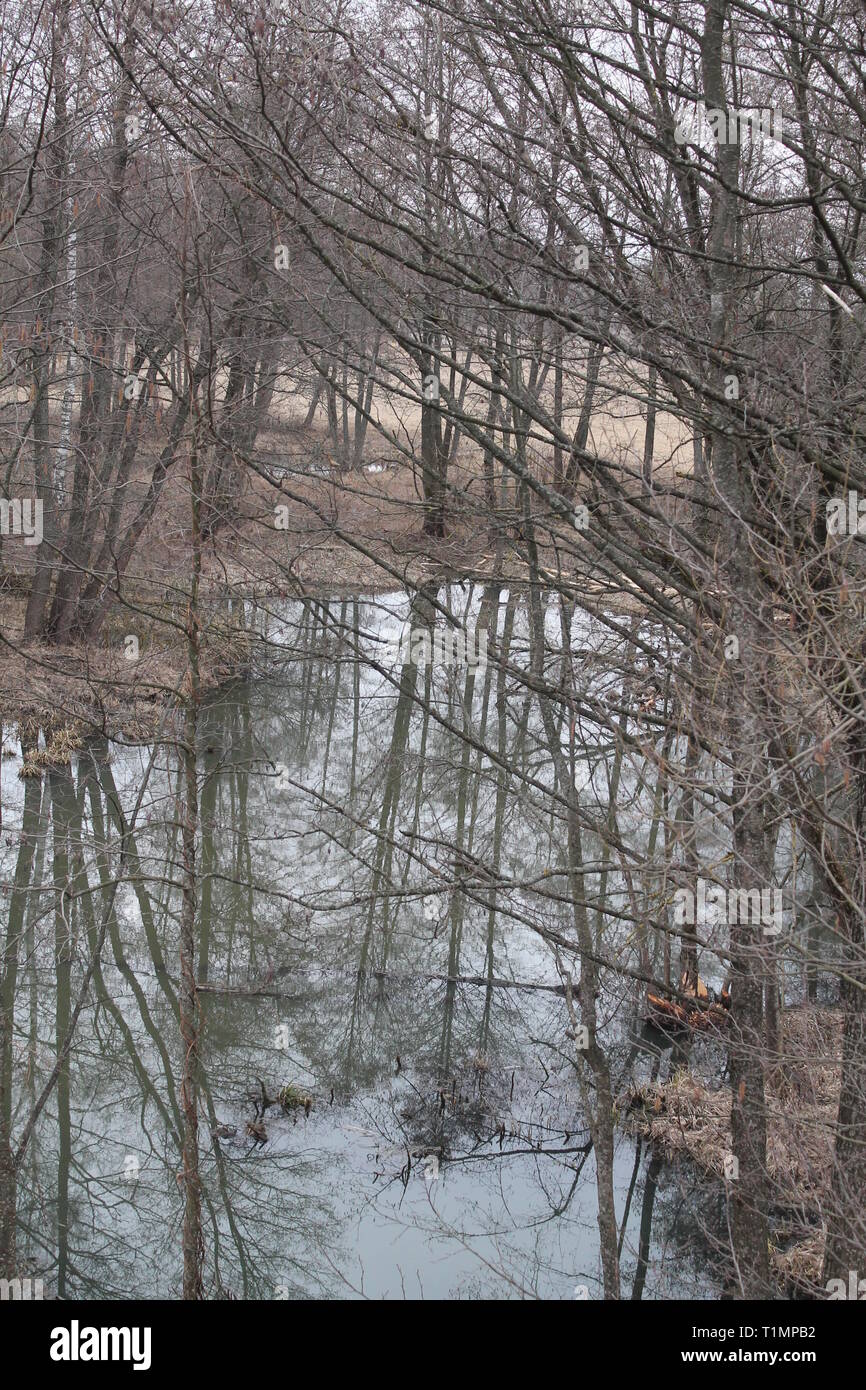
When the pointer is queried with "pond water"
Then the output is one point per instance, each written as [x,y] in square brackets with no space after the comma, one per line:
[377,898]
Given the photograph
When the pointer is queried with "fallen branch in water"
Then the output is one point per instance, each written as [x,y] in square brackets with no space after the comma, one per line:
[481,980]
[248,991]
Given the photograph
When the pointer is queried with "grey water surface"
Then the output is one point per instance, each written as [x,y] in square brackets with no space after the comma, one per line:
[353,946]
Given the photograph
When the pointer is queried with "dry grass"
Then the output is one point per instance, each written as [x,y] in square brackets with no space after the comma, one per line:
[71,693]
[683,1117]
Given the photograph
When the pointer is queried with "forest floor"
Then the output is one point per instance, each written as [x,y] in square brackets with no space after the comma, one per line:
[301,527]
[78,690]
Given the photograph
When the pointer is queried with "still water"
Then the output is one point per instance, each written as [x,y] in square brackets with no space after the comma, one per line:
[376,898]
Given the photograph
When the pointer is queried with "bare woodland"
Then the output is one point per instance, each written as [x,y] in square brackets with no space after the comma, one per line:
[304,302]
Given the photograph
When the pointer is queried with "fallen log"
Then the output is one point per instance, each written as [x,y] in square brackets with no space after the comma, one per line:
[664,1013]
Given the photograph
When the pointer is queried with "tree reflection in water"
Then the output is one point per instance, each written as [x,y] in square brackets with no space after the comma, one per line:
[384,895]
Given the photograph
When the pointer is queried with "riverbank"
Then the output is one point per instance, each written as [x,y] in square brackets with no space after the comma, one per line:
[683,1118]
[307,529]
